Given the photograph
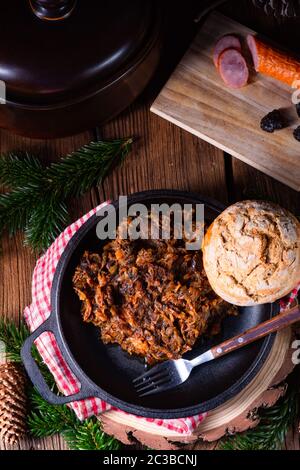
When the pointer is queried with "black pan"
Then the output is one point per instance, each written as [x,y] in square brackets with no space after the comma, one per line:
[106,371]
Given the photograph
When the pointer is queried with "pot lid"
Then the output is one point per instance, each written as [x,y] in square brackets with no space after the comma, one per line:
[47,62]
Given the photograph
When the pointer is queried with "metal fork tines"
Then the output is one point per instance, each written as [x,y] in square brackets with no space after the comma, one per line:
[168,374]
[161,378]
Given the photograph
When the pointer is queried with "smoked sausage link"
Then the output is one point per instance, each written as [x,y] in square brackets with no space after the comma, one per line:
[274,62]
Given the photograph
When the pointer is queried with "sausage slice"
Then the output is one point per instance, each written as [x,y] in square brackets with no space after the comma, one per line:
[233,68]
[225,42]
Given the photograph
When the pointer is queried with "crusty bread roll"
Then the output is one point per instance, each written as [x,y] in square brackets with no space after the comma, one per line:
[251,253]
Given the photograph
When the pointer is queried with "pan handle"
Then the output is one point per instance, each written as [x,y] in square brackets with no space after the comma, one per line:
[36,377]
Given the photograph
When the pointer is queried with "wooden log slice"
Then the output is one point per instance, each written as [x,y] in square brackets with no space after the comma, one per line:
[236,415]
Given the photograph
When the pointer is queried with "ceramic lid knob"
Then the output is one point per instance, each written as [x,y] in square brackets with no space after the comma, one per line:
[52,10]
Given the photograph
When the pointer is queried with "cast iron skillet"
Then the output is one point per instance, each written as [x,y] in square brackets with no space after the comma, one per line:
[105,371]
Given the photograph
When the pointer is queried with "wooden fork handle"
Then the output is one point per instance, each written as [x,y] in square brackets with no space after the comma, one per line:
[288,317]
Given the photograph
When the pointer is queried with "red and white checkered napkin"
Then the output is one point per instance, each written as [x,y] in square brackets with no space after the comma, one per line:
[39,311]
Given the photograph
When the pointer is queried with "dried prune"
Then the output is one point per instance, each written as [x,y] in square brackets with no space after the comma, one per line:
[273,121]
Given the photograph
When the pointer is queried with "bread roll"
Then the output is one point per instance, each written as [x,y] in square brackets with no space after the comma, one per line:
[251,253]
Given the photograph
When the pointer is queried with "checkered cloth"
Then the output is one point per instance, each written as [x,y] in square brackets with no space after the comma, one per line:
[39,311]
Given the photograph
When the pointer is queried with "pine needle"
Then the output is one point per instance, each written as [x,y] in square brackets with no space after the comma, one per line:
[21,169]
[13,337]
[89,436]
[47,220]
[37,201]
[15,209]
[46,420]
[87,167]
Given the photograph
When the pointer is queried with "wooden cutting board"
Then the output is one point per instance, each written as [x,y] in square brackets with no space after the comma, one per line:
[196,99]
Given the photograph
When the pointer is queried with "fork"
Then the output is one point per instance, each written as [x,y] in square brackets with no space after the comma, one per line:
[171,373]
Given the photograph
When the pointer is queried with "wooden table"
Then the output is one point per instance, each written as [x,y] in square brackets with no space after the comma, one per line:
[163,156]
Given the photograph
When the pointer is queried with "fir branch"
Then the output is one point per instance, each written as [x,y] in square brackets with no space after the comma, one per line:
[15,209]
[37,201]
[272,429]
[87,167]
[46,420]
[47,220]
[17,170]
[13,337]
[89,436]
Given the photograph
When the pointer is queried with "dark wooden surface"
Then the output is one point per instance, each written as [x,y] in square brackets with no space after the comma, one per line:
[163,156]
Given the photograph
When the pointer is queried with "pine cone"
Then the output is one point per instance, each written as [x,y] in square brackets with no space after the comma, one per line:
[13,403]
[289,8]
